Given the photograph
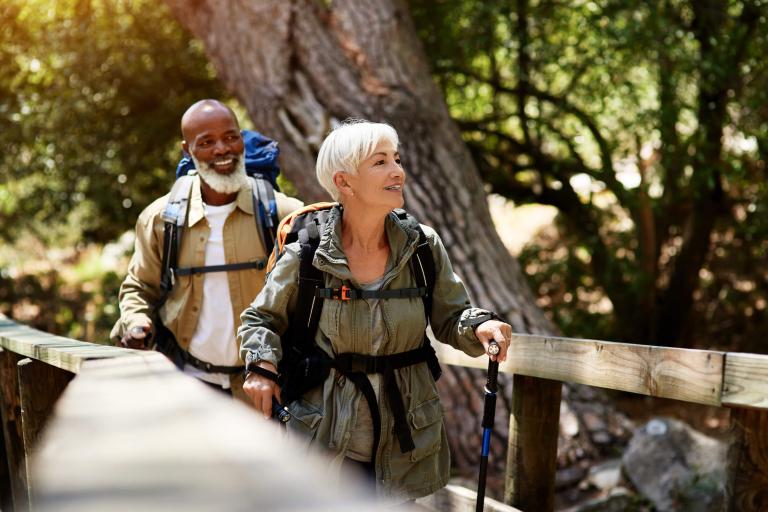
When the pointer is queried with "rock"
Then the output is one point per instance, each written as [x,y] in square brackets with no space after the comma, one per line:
[676,467]
[618,500]
[569,423]
[569,476]
[606,475]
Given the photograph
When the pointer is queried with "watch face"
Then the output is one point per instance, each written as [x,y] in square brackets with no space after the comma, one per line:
[494,349]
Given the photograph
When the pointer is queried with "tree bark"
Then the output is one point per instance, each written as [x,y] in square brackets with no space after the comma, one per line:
[301,66]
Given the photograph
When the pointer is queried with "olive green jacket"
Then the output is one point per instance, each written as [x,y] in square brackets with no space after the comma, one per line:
[140,290]
[327,413]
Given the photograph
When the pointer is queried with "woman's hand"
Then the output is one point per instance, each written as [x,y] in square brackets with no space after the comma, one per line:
[261,389]
[495,330]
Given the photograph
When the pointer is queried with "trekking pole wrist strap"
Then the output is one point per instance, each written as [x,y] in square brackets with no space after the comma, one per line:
[480,319]
[258,370]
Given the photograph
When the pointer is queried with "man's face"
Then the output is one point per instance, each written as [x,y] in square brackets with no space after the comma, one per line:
[214,138]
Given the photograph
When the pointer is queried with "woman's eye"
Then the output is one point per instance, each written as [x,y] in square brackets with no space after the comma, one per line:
[380,162]
[398,161]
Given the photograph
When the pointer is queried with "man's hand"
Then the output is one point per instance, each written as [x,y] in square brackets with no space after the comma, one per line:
[136,337]
[261,390]
[498,331]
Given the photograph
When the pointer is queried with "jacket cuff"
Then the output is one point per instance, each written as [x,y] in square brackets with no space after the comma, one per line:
[470,319]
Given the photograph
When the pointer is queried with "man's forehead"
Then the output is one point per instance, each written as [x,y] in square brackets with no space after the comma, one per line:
[208,120]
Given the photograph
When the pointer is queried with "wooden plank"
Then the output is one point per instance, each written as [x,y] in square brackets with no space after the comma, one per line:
[58,351]
[532,454]
[746,486]
[682,374]
[745,380]
[40,385]
[460,499]
[10,411]
[6,494]
[136,434]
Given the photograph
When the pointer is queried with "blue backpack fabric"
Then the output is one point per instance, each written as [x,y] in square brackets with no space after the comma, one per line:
[260,158]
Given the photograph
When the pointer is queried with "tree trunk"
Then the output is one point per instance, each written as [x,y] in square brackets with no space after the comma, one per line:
[299,67]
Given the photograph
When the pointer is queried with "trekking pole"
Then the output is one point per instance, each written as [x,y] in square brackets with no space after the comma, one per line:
[280,412]
[489,412]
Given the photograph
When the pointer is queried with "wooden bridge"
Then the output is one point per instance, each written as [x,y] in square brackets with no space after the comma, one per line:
[126,431]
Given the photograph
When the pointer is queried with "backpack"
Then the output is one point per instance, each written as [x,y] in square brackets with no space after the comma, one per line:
[261,166]
[304,365]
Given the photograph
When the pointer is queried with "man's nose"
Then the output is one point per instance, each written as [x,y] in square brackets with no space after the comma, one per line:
[220,148]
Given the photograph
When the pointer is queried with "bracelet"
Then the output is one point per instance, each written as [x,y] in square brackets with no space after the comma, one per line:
[258,370]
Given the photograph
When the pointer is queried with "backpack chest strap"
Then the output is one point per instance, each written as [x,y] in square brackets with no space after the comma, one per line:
[230,267]
[347,293]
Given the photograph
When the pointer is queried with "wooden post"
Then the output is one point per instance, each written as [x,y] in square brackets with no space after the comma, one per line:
[10,409]
[532,455]
[746,485]
[40,385]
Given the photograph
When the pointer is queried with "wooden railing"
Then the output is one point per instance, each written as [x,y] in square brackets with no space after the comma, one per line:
[541,364]
[130,430]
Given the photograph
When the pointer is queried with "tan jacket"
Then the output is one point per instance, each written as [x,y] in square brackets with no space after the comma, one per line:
[141,288]
[325,415]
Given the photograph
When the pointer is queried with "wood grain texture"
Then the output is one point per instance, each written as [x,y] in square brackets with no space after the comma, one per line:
[40,385]
[10,412]
[746,486]
[455,498]
[745,380]
[64,353]
[532,454]
[682,374]
[136,434]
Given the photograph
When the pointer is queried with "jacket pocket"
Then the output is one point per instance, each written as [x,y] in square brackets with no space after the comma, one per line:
[426,421]
[305,419]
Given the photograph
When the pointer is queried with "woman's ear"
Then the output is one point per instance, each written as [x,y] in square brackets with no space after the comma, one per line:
[341,180]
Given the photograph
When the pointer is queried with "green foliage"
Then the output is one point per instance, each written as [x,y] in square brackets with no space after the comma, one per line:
[92,92]
[645,124]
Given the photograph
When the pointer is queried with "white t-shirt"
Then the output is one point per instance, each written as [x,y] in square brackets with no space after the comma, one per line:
[214,338]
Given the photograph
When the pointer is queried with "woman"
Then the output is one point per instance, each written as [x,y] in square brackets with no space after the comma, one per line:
[395,434]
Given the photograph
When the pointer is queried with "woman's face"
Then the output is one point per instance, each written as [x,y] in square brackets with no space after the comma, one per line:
[380,179]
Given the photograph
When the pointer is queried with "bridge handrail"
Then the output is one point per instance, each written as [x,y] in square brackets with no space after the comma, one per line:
[539,365]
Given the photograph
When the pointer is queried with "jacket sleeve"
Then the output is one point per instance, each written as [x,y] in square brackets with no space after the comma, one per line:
[141,288]
[286,204]
[266,319]
[450,303]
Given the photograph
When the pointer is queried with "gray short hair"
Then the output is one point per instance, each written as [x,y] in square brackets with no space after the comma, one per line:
[347,146]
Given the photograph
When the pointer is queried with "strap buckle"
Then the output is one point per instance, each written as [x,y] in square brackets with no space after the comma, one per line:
[341,293]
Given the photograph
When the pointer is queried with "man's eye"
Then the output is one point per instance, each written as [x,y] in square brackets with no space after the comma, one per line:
[205,143]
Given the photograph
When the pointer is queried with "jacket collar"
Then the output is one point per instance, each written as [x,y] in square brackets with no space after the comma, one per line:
[330,257]
[244,202]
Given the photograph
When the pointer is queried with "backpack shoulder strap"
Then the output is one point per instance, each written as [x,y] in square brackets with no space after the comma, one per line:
[265,211]
[174,216]
[422,261]
[300,335]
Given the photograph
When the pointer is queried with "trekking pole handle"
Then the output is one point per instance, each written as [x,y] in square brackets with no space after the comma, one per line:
[280,412]
[491,384]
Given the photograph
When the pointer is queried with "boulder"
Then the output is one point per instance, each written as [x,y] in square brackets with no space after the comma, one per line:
[676,467]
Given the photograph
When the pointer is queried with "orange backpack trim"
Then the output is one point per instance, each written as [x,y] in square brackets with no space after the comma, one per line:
[286,225]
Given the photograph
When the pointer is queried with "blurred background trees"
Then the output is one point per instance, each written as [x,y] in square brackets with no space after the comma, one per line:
[644,124]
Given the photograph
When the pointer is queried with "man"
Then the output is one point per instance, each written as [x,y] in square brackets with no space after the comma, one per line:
[200,312]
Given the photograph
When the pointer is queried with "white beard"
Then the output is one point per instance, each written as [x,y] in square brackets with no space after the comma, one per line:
[223,183]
